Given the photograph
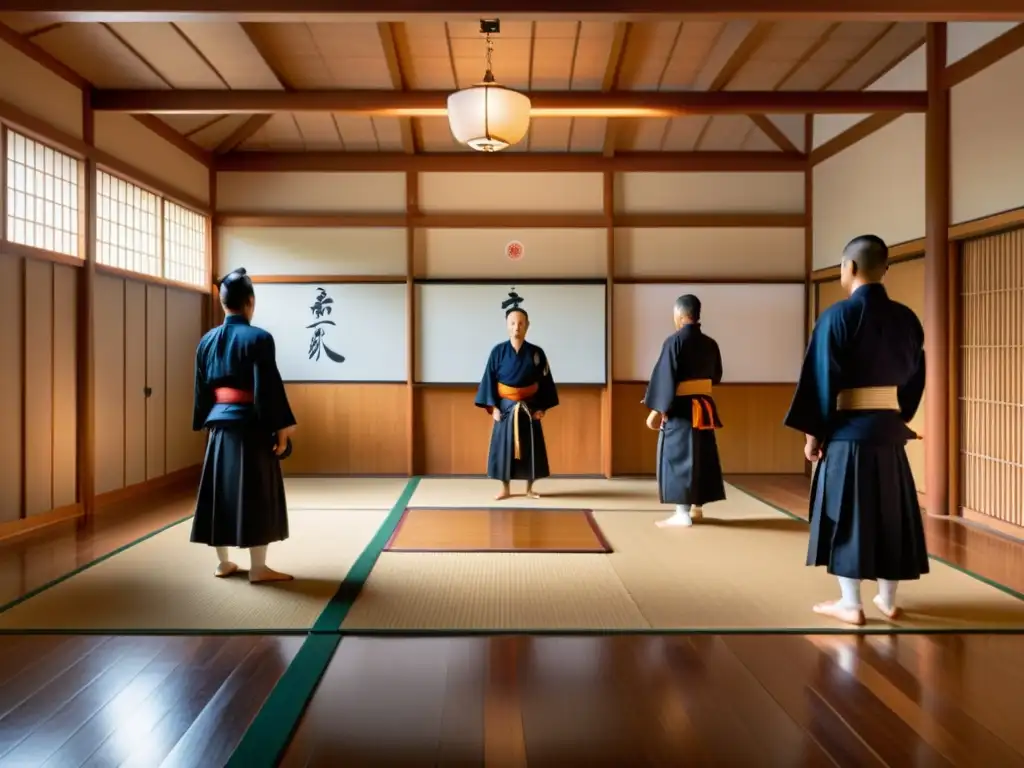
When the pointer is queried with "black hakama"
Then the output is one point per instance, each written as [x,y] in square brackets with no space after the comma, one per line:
[241,500]
[864,514]
[528,371]
[688,469]
[865,518]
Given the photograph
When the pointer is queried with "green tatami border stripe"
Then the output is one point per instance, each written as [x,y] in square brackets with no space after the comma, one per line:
[976,576]
[270,732]
[60,579]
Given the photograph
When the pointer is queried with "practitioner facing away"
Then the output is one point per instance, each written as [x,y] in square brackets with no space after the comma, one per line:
[682,409]
[517,390]
[861,382]
[240,399]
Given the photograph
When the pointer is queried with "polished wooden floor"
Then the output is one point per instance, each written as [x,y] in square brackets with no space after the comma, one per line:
[498,530]
[699,700]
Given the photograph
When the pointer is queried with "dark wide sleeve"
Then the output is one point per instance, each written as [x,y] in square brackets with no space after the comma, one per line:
[716,377]
[547,393]
[910,394]
[202,398]
[661,390]
[487,392]
[814,401]
[269,395]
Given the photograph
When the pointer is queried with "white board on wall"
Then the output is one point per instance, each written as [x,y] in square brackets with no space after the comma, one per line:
[365,325]
[759,328]
[457,325]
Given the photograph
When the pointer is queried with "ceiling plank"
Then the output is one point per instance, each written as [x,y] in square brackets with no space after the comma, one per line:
[545,103]
[518,162]
[242,133]
[41,57]
[1009,42]
[273,10]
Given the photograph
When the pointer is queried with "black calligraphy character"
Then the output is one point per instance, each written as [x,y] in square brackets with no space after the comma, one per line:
[320,309]
[513,300]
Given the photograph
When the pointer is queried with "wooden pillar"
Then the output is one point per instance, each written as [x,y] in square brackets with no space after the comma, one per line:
[86,365]
[810,289]
[212,256]
[412,207]
[936,276]
[606,430]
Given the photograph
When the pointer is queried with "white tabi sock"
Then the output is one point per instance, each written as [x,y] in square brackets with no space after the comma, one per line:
[850,589]
[681,518]
[222,555]
[887,593]
[258,559]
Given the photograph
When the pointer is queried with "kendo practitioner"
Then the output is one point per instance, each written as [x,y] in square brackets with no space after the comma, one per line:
[517,390]
[683,411]
[241,400]
[861,383]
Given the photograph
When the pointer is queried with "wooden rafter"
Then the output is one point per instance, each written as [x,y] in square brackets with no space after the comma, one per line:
[545,103]
[273,10]
[242,134]
[612,72]
[389,42]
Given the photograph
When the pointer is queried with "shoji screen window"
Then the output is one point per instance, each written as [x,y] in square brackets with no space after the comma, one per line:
[127,226]
[185,245]
[42,196]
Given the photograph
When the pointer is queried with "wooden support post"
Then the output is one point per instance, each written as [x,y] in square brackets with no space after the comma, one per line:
[936,276]
[212,256]
[608,419]
[412,209]
[86,364]
[810,289]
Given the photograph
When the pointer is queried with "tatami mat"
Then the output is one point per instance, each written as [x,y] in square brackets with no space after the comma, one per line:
[165,583]
[741,569]
[343,492]
[565,493]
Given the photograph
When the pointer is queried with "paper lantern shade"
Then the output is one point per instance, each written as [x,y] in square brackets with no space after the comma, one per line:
[488,117]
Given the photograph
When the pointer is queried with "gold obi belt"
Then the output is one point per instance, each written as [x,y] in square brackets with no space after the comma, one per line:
[868,399]
[705,413]
[518,395]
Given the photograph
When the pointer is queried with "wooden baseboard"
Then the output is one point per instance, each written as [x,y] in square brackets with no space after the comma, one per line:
[14,528]
[179,480]
[174,482]
[991,524]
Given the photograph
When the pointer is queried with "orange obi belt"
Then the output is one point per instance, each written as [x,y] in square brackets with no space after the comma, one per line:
[232,396]
[518,395]
[705,413]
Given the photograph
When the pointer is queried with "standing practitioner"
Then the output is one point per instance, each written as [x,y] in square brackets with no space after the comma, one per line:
[240,399]
[686,417]
[517,390]
[862,381]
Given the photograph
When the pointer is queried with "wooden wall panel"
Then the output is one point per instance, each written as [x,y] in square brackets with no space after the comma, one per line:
[304,192]
[65,385]
[992,377]
[109,329]
[184,329]
[453,435]
[38,387]
[715,192]
[156,367]
[548,193]
[12,286]
[134,382]
[312,250]
[753,439]
[349,429]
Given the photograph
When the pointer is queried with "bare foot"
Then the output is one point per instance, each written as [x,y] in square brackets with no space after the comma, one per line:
[676,521]
[530,494]
[505,493]
[225,569]
[268,574]
[696,513]
[835,610]
[891,612]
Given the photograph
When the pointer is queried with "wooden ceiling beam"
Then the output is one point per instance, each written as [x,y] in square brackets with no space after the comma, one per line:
[651,10]
[635,104]
[520,162]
